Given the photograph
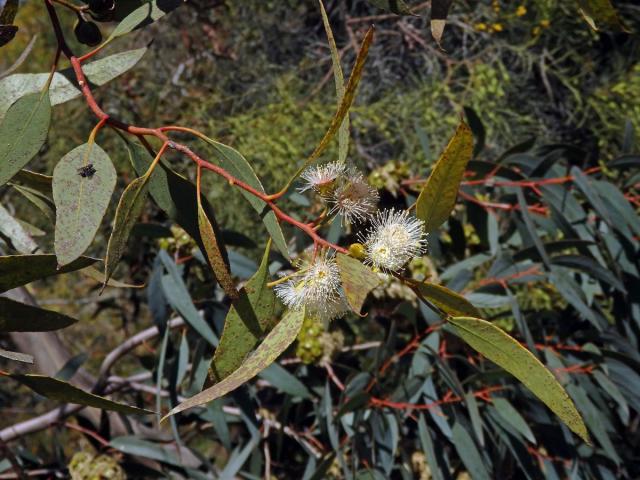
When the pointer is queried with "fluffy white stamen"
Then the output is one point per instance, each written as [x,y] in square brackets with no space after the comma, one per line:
[320,178]
[393,239]
[318,288]
[354,199]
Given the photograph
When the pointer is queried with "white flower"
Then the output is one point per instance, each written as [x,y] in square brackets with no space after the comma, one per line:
[321,178]
[393,239]
[354,199]
[317,288]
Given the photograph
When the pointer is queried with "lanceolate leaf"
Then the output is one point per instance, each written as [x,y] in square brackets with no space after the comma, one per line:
[81,200]
[448,300]
[144,15]
[500,348]
[276,342]
[18,270]
[14,230]
[343,133]
[232,161]
[129,209]
[345,103]
[19,317]
[438,197]
[55,389]
[23,132]
[247,322]
[216,252]
[62,88]
[357,280]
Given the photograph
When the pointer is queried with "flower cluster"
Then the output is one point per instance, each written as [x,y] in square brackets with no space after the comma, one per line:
[393,239]
[344,189]
[318,288]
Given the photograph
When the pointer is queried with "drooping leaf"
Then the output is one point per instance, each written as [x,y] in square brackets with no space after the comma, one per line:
[14,230]
[232,161]
[18,270]
[98,276]
[438,196]
[468,453]
[276,342]
[284,381]
[19,317]
[23,131]
[81,200]
[44,204]
[503,350]
[247,322]
[9,11]
[345,104]
[591,267]
[357,280]
[601,15]
[216,252]
[451,302]
[338,76]
[34,181]
[509,413]
[439,13]
[129,209]
[478,130]
[55,389]
[63,88]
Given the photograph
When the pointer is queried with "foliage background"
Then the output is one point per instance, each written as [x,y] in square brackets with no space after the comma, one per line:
[256,75]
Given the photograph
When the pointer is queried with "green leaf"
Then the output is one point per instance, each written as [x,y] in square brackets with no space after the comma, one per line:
[19,317]
[438,196]
[500,348]
[23,132]
[55,389]
[35,181]
[129,209]
[16,356]
[513,418]
[44,204]
[7,33]
[18,270]
[216,252]
[468,453]
[276,342]
[247,322]
[81,202]
[338,76]
[357,280]
[98,276]
[63,88]
[238,166]
[284,381]
[601,15]
[142,16]
[143,448]
[448,300]
[345,104]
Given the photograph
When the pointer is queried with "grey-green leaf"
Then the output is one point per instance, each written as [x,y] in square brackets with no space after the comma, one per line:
[63,88]
[129,209]
[16,356]
[19,317]
[503,350]
[276,342]
[18,270]
[23,131]
[81,201]
[55,389]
